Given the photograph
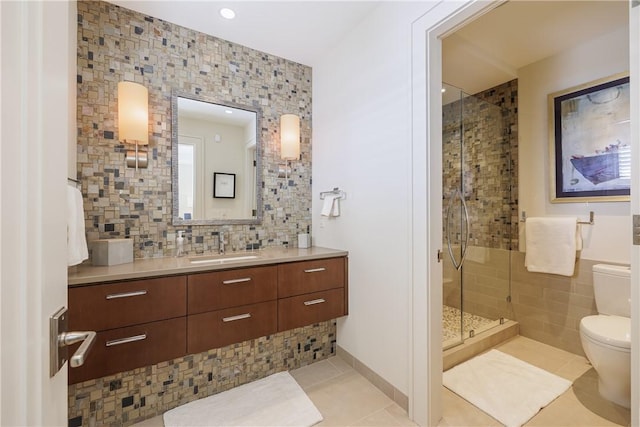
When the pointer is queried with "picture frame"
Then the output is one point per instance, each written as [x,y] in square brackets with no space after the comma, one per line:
[224,185]
[589,141]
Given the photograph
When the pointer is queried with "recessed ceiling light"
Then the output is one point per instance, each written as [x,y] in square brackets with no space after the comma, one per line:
[227,13]
[228,111]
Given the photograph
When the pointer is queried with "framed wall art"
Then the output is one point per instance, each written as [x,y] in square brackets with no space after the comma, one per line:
[589,134]
[224,185]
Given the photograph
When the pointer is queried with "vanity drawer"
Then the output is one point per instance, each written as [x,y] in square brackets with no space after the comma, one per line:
[223,327]
[231,288]
[132,347]
[312,308]
[114,305]
[299,278]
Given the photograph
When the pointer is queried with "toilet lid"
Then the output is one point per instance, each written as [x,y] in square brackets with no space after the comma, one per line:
[611,330]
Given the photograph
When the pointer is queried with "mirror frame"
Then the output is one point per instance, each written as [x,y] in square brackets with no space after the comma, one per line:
[174,163]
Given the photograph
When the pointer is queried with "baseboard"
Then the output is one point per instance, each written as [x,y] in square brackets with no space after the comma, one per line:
[383,385]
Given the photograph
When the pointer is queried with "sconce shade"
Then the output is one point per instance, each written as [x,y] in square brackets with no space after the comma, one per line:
[133,113]
[289,137]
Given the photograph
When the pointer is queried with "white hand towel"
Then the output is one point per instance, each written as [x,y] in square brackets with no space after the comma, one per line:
[335,210]
[328,205]
[77,250]
[551,245]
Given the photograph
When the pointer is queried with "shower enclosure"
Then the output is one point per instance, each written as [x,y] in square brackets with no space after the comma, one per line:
[477,210]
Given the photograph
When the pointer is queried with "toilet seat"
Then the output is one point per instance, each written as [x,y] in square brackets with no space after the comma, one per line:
[614,331]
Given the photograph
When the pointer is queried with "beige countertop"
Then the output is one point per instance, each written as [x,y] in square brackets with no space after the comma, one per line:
[155,267]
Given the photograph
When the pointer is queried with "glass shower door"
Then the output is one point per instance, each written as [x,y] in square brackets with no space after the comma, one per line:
[455,216]
[476,216]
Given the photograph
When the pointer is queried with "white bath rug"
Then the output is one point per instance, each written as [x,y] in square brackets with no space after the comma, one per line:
[508,389]
[277,400]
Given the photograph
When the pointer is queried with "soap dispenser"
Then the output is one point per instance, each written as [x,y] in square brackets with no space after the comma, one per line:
[180,244]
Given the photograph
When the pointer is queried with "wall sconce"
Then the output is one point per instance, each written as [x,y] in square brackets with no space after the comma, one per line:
[133,121]
[289,142]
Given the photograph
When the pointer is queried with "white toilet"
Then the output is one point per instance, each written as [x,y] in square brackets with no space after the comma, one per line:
[606,337]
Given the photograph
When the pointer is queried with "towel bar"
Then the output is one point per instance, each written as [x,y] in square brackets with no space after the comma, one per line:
[591,221]
[336,191]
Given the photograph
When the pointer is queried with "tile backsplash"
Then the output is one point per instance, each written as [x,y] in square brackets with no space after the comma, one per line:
[116,44]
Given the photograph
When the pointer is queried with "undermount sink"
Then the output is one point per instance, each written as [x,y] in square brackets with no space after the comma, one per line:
[220,259]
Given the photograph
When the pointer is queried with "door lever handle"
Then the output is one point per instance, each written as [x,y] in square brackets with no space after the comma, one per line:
[60,339]
[88,338]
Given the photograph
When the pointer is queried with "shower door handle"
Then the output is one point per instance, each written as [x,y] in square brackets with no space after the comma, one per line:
[467,233]
[464,243]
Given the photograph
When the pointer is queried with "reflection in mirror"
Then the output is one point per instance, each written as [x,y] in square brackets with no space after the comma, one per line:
[216,166]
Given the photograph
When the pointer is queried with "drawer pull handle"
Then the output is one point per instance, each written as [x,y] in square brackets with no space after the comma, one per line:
[232,281]
[315,270]
[315,301]
[127,340]
[238,317]
[127,294]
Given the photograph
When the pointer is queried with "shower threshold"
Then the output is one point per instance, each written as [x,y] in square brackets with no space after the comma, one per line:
[481,342]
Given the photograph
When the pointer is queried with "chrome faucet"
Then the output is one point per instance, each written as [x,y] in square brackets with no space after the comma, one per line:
[221,243]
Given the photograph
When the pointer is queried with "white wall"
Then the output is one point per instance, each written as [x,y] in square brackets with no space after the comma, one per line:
[362,144]
[226,156]
[610,238]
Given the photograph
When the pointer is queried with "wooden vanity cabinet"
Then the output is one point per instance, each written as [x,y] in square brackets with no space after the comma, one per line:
[311,292]
[231,288]
[138,323]
[113,305]
[143,322]
[215,329]
[231,306]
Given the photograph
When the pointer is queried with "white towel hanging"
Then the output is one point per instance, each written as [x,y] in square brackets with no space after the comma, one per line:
[331,205]
[551,245]
[77,250]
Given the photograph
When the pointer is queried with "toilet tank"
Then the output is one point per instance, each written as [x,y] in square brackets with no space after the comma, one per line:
[612,288]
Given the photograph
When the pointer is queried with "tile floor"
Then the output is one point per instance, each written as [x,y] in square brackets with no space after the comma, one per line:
[581,405]
[346,398]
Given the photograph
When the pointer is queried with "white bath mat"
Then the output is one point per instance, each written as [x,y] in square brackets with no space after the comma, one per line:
[508,389]
[277,400]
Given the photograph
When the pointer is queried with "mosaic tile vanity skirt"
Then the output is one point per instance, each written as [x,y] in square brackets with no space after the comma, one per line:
[133,396]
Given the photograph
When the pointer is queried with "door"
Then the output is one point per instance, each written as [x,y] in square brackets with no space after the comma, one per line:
[634,72]
[38,125]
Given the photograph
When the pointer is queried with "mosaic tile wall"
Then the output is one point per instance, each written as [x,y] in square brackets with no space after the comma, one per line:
[133,396]
[116,44]
[489,129]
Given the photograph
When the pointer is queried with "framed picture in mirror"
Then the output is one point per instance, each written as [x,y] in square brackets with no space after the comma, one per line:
[224,185]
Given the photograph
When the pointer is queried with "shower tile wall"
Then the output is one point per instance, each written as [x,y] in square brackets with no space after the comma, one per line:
[116,44]
[490,157]
[506,97]
[136,395]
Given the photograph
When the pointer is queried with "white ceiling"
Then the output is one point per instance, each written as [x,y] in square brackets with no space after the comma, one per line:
[300,31]
[490,50]
[480,55]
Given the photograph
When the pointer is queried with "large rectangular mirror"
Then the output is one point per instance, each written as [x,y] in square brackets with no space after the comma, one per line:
[216,162]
